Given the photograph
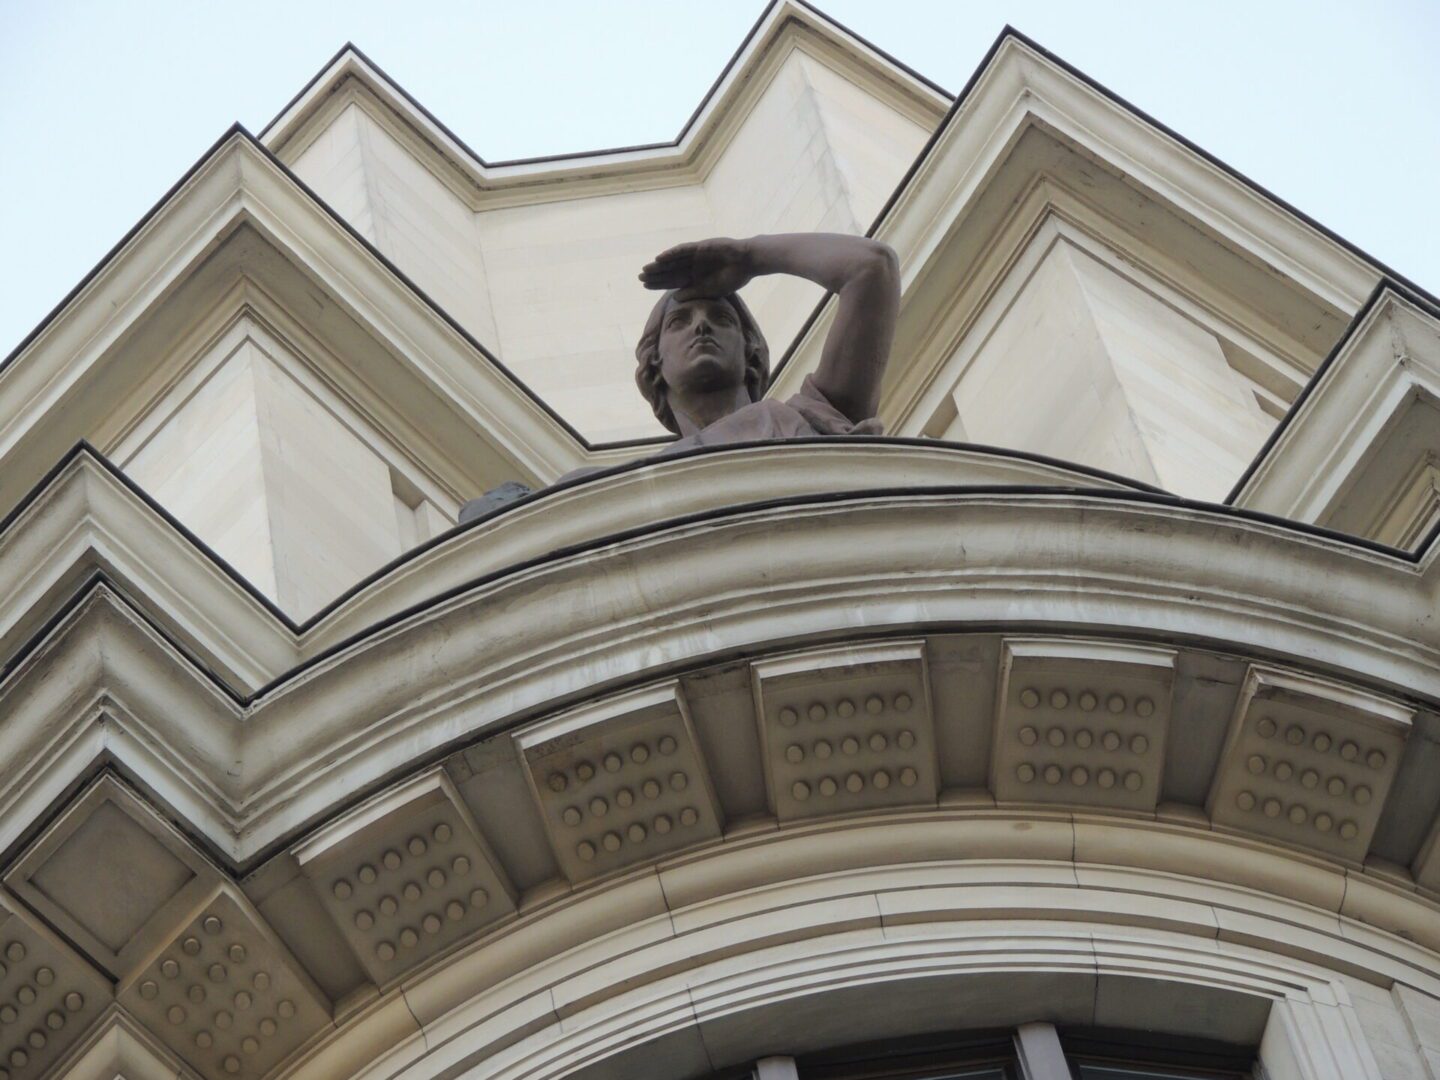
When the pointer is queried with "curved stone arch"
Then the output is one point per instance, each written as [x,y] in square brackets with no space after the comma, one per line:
[789,941]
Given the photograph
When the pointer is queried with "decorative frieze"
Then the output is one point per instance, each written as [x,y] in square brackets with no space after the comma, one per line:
[406,876]
[1308,762]
[48,996]
[224,994]
[846,729]
[620,782]
[1081,723]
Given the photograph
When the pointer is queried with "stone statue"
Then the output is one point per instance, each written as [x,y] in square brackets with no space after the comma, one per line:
[703,364]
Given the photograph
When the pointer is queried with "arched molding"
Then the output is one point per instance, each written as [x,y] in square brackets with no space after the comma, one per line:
[791,941]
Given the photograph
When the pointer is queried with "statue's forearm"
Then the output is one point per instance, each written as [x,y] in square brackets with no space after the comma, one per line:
[865,277]
[833,260]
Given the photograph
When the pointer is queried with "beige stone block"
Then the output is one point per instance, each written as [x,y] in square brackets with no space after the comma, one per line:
[112,875]
[845,730]
[1308,762]
[1081,723]
[49,996]
[625,915]
[903,1005]
[776,917]
[274,480]
[1393,909]
[620,782]
[794,854]
[1185,851]
[1090,366]
[406,876]
[224,994]
[977,902]
[1180,1007]
[120,1051]
[1422,1015]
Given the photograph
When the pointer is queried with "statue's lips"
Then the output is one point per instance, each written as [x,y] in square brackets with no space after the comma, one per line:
[708,344]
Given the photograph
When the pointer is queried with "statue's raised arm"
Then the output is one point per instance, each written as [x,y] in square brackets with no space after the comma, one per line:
[703,363]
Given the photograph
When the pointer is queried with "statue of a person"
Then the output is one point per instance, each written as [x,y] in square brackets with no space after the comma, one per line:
[703,364]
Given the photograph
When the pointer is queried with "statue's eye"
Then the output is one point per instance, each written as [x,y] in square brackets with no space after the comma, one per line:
[675,320]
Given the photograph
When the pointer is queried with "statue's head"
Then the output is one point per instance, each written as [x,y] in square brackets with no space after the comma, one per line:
[699,346]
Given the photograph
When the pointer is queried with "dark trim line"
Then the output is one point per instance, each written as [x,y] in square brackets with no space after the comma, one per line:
[302,627]
[440,752]
[421,294]
[98,579]
[1235,174]
[238,130]
[916,165]
[85,449]
[1136,493]
[685,128]
[827,499]
[1287,421]
[1142,497]
[706,451]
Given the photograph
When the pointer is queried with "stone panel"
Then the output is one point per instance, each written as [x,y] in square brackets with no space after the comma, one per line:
[111,875]
[620,782]
[846,729]
[1308,762]
[48,996]
[224,994]
[406,876]
[1081,722]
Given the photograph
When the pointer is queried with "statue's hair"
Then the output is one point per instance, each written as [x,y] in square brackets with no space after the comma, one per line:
[647,356]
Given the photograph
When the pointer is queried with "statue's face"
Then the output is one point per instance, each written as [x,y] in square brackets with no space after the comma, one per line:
[702,347]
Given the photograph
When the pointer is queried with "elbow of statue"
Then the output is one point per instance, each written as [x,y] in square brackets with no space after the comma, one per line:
[883,258]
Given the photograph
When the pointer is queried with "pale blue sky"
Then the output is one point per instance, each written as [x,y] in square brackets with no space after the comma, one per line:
[104,104]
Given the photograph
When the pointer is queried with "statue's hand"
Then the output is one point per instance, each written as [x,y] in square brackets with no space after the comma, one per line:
[715,267]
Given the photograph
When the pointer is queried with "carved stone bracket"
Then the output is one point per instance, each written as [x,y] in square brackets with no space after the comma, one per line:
[224,993]
[406,875]
[1081,723]
[620,782]
[48,995]
[1308,762]
[846,729]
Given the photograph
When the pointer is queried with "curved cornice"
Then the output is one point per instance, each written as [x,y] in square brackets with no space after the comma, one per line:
[676,594]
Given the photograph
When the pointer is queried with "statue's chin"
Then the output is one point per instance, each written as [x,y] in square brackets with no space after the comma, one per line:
[707,371]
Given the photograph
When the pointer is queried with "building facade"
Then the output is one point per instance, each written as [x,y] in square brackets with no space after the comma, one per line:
[1085,725]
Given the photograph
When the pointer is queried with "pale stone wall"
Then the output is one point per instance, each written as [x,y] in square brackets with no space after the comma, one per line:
[1084,365]
[296,498]
[550,285]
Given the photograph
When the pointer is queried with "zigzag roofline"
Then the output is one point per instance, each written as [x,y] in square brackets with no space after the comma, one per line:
[328,78]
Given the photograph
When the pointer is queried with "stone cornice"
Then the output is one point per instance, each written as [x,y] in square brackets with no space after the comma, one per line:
[784,25]
[668,597]
[86,516]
